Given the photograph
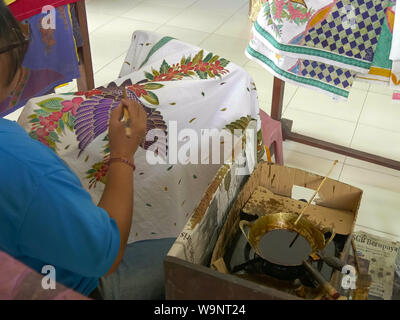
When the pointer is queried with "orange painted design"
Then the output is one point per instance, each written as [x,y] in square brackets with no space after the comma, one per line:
[302,2]
[371,79]
[319,16]
[380,72]
[390,18]
[395,80]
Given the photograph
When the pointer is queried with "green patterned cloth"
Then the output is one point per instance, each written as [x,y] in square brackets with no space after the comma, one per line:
[319,44]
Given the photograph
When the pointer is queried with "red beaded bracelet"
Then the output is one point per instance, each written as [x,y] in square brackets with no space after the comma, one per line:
[123,160]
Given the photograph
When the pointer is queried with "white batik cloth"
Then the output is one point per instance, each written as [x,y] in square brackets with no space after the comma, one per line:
[180,85]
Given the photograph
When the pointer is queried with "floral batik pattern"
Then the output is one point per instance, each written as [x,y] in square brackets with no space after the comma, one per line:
[52,119]
[94,113]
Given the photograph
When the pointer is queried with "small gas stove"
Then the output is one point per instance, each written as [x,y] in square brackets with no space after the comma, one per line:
[242,261]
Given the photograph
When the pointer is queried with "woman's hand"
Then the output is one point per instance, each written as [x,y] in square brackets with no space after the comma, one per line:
[120,144]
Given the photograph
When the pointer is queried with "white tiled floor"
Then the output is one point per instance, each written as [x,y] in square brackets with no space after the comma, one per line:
[368,121]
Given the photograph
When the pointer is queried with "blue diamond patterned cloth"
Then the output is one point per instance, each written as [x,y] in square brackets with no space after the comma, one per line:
[327,73]
[351,28]
[321,44]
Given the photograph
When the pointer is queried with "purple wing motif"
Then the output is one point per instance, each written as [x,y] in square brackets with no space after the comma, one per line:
[117,92]
[93,117]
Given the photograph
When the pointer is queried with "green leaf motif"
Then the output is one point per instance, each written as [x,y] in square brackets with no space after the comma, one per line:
[71,121]
[52,104]
[198,57]
[241,123]
[210,74]
[33,135]
[151,98]
[208,57]
[51,143]
[152,86]
[42,113]
[61,126]
[223,62]
[155,72]
[34,120]
[201,74]
[213,59]
[65,118]
[164,67]
[188,60]
[156,47]
[183,61]
[54,136]
[148,75]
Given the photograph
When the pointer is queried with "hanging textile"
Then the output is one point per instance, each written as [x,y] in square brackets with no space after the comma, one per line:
[319,44]
[51,60]
[382,66]
[24,9]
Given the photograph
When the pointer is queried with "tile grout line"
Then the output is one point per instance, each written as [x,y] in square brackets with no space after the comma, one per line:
[354,133]
[107,64]
[318,156]
[113,15]
[372,170]
[379,128]
[322,115]
[287,105]
[220,25]
[165,23]
[341,170]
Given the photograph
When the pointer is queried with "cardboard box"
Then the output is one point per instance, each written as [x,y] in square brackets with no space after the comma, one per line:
[188,274]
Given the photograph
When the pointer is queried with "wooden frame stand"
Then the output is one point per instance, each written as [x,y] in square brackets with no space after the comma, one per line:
[86,81]
[276,113]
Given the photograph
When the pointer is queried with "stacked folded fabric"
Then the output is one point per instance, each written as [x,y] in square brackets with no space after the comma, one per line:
[323,44]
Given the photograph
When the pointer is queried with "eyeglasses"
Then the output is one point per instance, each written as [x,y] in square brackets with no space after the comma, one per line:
[23,42]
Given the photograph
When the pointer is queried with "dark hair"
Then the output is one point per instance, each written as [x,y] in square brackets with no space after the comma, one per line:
[11,35]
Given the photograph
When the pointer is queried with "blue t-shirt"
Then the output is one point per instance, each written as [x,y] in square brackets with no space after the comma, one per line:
[47,218]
